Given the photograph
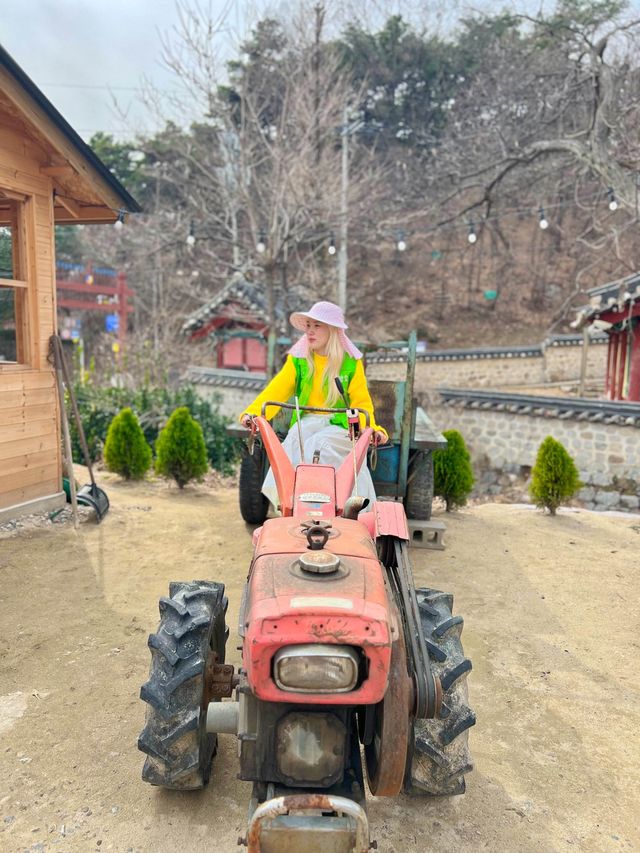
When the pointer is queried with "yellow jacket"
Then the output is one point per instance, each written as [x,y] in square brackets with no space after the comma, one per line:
[283,386]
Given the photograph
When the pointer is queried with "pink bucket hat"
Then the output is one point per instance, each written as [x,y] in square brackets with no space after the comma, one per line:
[323,312]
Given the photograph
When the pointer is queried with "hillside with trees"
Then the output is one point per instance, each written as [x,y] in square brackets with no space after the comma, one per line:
[492,173]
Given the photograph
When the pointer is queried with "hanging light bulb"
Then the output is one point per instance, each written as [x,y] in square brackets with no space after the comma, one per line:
[472,236]
[401,244]
[119,223]
[613,204]
[261,246]
[332,244]
[543,222]
[191,237]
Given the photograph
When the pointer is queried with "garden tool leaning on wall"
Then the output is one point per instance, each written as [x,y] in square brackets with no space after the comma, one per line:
[91,494]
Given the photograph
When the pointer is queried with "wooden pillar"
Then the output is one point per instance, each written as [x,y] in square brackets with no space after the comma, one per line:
[634,367]
[620,362]
[583,360]
[123,312]
[611,364]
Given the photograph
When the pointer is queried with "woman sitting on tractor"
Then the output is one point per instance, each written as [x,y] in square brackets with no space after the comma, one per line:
[322,354]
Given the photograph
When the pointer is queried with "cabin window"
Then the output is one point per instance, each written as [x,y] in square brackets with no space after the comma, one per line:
[14,295]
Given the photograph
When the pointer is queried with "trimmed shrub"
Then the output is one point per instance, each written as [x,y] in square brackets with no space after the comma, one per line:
[153,406]
[126,451]
[452,472]
[554,477]
[180,449]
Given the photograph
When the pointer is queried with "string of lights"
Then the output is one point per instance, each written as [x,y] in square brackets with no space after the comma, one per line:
[400,235]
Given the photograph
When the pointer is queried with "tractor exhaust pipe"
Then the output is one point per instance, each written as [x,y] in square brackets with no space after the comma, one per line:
[222,718]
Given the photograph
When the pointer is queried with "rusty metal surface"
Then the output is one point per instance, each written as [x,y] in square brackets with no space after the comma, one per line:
[219,679]
[427,704]
[281,466]
[386,755]
[349,607]
[345,474]
[390,519]
[313,806]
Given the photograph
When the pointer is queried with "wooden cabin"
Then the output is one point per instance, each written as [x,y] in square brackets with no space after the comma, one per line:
[615,309]
[48,175]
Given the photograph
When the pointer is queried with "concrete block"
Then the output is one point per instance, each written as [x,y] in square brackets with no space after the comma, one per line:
[427,534]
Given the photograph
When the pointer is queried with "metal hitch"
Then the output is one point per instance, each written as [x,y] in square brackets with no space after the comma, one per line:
[306,823]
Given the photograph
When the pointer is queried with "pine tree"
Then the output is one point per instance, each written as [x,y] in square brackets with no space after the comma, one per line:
[452,472]
[180,449]
[126,451]
[554,477]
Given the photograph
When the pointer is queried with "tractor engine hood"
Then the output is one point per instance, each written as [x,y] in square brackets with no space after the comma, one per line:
[289,605]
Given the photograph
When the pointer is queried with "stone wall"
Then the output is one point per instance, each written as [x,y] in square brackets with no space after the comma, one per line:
[231,401]
[231,390]
[562,361]
[557,359]
[506,444]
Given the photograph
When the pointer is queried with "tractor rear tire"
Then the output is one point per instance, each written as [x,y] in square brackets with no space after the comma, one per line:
[191,632]
[439,757]
[419,496]
[254,506]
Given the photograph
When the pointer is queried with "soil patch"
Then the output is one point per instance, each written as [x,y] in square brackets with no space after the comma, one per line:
[552,627]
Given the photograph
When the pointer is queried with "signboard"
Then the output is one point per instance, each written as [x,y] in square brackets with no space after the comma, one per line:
[112,323]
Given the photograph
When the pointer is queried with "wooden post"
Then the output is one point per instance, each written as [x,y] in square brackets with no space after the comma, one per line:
[634,367]
[271,353]
[122,309]
[68,455]
[622,360]
[583,360]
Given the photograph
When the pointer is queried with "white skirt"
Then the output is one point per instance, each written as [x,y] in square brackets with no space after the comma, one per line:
[333,444]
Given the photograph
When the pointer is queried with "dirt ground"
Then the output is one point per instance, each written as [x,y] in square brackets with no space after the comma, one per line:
[552,627]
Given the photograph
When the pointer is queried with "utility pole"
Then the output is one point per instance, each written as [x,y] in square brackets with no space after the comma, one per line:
[344,215]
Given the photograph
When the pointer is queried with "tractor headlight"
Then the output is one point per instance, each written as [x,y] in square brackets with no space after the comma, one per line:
[316,668]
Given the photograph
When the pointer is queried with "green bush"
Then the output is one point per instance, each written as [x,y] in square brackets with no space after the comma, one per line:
[180,449]
[554,477]
[153,406]
[452,473]
[126,451]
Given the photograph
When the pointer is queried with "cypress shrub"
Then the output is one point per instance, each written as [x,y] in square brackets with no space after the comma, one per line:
[554,477]
[98,406]
[180,449]
[452,472]
[126,451]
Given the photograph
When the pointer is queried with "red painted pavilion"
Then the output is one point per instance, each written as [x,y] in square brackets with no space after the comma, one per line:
[615,309]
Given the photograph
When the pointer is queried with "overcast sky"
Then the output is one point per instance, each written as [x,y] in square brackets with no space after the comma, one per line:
[76,51]
[83,53]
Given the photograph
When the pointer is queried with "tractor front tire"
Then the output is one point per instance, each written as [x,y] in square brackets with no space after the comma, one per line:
[419,496]
[191,633]
[439,757]
[253,504]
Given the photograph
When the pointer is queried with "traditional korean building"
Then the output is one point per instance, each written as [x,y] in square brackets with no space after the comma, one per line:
[48,175]
[615,309]
[235,323]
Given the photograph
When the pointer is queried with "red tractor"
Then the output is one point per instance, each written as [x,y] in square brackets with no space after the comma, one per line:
[344,663]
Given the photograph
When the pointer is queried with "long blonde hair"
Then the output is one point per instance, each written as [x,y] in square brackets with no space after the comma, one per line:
[335,356]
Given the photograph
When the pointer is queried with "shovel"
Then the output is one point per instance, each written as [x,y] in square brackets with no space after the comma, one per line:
[91,494]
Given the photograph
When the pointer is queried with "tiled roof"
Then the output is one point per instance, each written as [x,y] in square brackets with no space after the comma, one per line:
[564,408]
[614,296]
[472,353]
[253,298]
